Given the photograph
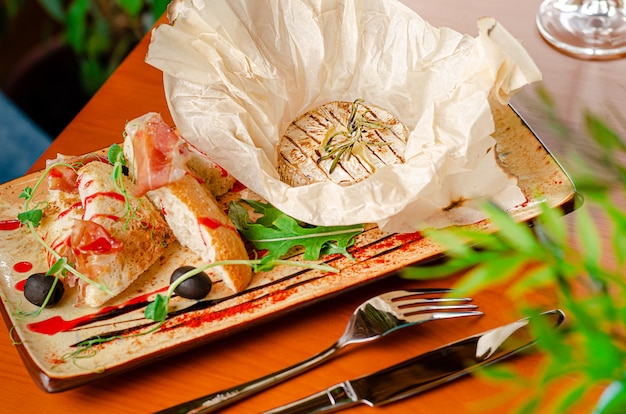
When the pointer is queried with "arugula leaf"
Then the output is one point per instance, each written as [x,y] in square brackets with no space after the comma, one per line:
[277,232]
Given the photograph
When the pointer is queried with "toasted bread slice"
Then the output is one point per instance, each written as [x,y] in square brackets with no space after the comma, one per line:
[199,223]
[138,228]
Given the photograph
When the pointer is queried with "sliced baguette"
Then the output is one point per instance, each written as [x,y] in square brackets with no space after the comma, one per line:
[144,235]
[198,223]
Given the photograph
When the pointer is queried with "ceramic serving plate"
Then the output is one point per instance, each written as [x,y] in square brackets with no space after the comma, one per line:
[47,342]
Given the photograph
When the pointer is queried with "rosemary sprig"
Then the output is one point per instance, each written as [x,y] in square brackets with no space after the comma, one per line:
[340,144]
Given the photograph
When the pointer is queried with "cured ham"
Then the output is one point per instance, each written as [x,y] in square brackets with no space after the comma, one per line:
[92,247]
[159,155]
[62,178]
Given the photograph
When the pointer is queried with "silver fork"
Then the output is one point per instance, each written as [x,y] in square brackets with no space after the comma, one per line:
[373,319]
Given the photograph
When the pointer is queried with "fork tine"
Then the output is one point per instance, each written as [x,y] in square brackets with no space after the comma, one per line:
[428,301]
[419,317]
[397,294]
[412,310]
[448,315]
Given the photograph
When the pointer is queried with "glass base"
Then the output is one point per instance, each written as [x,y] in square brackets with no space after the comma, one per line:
[594,30]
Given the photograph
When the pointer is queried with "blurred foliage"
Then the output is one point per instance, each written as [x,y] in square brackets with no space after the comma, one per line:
[568,255]
[100,32]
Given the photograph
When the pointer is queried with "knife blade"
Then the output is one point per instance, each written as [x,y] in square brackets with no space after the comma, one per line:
[425,371]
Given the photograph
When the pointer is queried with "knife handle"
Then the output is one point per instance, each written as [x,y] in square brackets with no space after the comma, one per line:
[334,398]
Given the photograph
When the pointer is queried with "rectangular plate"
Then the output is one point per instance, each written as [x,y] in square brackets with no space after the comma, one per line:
[46,342]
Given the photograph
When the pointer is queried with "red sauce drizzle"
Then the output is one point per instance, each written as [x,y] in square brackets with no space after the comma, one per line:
[22,267]
[19,286]
[109,216]
[210,223]
[237,187]
[223,172]
[72,207]
[110,194]
[9,224]
[57,324]
[195,177]
[100,245]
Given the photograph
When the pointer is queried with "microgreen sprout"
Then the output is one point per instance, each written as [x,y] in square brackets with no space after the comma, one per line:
[342,143]
[117,160]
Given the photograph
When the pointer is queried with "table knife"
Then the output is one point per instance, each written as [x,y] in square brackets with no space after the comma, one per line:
[426,371]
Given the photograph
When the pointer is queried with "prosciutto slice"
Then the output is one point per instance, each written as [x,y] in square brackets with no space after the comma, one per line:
[159,155]
[93,247]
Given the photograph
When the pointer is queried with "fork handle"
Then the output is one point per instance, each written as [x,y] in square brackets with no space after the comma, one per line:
[220,399]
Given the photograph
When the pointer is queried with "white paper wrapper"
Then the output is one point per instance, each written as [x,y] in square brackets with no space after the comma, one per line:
[237,72]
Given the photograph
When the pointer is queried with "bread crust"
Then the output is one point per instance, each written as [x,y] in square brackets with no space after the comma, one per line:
[199,223]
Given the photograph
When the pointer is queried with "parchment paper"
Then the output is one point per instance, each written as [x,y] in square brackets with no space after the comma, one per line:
[237,72]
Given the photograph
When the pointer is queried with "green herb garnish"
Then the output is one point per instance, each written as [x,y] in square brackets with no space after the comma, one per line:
[342,143]
[277,233]
[116,158]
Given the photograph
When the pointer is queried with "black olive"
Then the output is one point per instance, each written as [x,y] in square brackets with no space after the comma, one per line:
[37,287]
[195,287]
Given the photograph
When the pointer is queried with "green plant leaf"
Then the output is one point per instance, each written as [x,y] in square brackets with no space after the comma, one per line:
[554,225]
[536,277]
[57,267]
[517,235]
[132,7]
[497,271]
[570,399]
[603,135]
[157,309]
[116,154]
[453,241]
[27,193]
[54,8]
[76,24]
[31,217]
[587,236]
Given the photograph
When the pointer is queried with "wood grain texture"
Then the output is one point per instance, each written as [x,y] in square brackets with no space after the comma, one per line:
[136,88]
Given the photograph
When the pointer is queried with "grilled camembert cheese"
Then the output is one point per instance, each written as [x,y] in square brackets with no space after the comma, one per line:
[342,142]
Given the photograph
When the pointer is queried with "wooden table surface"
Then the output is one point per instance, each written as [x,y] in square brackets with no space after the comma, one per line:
[136,88]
